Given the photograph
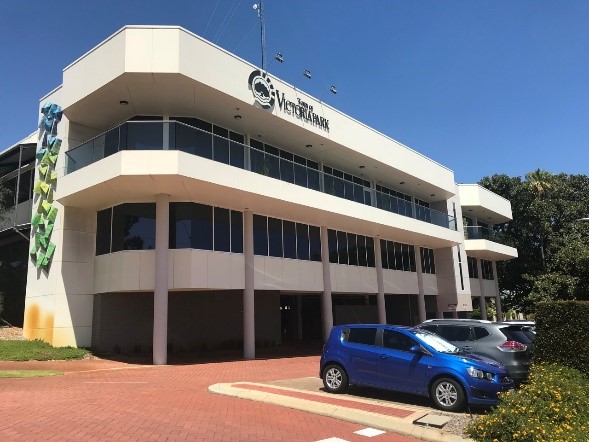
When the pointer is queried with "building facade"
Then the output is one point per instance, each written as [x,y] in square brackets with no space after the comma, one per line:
[201,203]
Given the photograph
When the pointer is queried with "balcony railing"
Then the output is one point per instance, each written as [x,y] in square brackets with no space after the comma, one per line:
[173,135]
[478,232]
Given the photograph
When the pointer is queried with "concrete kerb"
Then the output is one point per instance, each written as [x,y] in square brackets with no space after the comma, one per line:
[374,420]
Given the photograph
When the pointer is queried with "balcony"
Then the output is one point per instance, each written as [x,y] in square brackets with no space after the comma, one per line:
[484,243]
[173,135]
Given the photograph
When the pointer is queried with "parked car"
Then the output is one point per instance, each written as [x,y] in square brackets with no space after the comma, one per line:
[410,360]
[510,344]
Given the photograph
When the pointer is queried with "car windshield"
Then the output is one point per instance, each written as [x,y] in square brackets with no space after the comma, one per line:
[435,341]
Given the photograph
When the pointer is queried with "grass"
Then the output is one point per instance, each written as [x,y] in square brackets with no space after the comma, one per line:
[28,373]
[38,351]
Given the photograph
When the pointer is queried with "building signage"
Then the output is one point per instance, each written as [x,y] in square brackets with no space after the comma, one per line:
[266,96]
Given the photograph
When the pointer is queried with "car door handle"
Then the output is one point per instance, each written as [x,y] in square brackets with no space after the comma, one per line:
[383,356]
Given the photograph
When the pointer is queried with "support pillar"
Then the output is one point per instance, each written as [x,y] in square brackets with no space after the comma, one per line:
[421,294]
[482,300]
[380,300]
[498,308]
[326,307]
[249,319]
[160,294]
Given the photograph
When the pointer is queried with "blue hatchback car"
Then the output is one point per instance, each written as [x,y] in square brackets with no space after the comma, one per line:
[410,360]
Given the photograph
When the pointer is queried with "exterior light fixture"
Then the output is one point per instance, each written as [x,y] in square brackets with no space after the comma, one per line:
[402,182]
[433,194]
[362,167]
[333,90]
[123,102]
[237,117]
[309,146]
[307,73]
[278,57]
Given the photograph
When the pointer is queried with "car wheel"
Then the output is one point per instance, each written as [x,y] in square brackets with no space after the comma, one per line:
[447,394]
[335,379]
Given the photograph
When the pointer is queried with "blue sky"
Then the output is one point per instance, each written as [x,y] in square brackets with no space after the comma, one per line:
[482,87]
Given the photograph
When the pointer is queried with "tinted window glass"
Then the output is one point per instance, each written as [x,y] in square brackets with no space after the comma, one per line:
[480,332]
[133,227]
[342,247]
[332,244]
[362,250]
[236,232]
[221,145]
[302,241]
[275,237]
[370,251]
[315,243]
[145,136]
[260,235]
[362,335]
[397,341]
[222,237]
[103,220]
[454,332]
[290,239]
[516,333]
[191,226]
[352,249]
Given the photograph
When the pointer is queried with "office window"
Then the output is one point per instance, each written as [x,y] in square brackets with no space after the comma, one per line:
[260,235]
[191,226]
[397,256]
[352,249]
[315,243]
[427,260]
[487,268]
[370,252]
[342,247]
[303,246]
[332,244]
[236,232]
[103,227]
[222,242]
[133,227]
[275,237]
[473,271]
[289,239]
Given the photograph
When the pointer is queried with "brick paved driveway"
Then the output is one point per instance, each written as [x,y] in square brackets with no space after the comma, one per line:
[106,400]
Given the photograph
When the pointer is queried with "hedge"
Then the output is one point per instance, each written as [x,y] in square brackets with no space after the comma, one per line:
[562,334]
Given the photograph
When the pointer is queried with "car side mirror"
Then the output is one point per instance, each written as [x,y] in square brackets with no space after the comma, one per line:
[416,349]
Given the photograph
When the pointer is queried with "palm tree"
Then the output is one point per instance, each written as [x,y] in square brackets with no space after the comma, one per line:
[540,183]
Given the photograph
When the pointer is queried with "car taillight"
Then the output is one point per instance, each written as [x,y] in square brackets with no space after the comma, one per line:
[512,346]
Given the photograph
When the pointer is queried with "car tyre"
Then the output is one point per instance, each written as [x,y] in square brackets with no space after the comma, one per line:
[447,394]
[335,379]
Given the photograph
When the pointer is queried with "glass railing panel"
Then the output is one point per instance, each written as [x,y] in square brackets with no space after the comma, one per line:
[149,136]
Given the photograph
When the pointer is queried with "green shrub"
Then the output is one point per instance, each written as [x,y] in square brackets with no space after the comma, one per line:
[552,407]
[562,331]
[37,351]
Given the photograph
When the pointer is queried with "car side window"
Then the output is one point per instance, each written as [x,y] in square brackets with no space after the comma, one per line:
[455,332]
[480,333]
[431,328]
[397,341]
[362,335]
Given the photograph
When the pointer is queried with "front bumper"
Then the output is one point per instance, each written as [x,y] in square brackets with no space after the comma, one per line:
[483,392]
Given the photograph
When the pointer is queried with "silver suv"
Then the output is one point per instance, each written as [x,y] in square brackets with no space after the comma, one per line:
[510,344]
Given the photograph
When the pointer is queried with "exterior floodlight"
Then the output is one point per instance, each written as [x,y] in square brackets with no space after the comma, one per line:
[278,57]
[333,90]
[307,73]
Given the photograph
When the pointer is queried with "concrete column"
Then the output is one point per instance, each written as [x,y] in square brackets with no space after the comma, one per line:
[160,295]
[326,308]
[299,318]
[497,294]
[482,287]
[380,301]
[249,318]
[421,294]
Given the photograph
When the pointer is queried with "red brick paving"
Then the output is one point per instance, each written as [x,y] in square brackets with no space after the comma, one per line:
[389,411]
[97,401]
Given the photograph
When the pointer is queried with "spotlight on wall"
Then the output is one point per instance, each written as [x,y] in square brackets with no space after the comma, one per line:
[307,73]
[237,117]
[123,102]
[309,146]
[333,90]
[402,182]
[278,57]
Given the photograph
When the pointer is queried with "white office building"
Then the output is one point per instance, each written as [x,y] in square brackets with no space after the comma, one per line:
[199,203]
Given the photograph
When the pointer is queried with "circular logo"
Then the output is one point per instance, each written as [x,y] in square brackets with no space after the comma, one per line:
[262,89]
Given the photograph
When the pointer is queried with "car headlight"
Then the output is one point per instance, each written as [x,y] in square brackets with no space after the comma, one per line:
[480,374]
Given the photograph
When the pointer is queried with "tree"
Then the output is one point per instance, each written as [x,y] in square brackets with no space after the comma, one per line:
[553,247]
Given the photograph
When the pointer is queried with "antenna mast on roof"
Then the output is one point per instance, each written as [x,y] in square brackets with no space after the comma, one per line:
[260,8]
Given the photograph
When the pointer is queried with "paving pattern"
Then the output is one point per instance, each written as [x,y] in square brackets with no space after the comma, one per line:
[108,400]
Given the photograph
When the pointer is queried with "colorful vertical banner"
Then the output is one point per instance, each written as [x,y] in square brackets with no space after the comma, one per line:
[43,220]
